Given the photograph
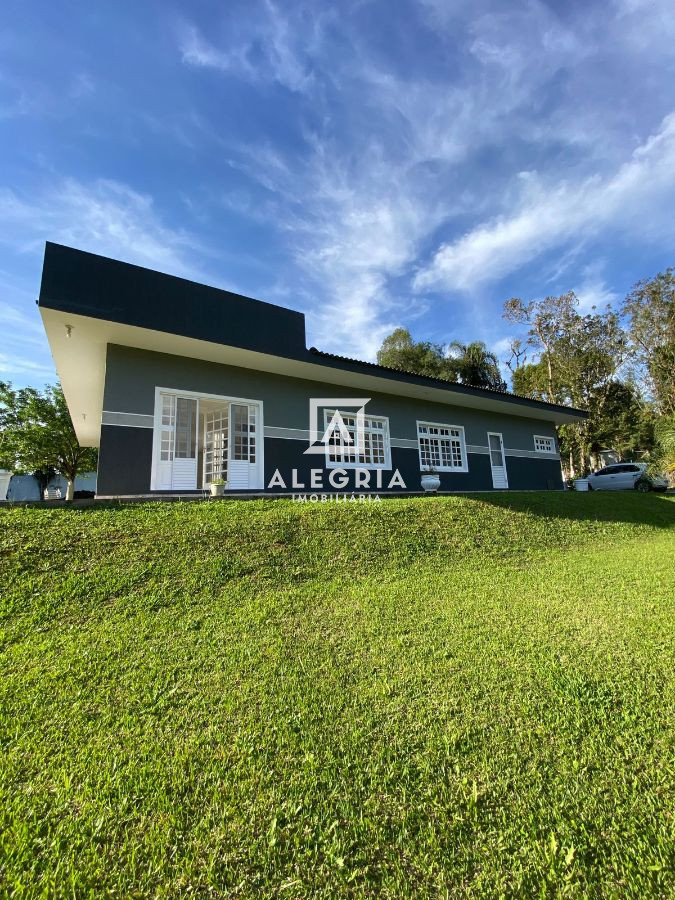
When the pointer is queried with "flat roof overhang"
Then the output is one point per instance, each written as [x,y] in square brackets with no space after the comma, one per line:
[79,346]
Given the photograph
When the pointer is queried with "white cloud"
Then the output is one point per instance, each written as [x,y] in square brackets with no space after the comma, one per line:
[24,355]
[197,51]
[593,291]
[283,56]
[103,216]
[636,199]
[394,155]
[501,346]
[25,369]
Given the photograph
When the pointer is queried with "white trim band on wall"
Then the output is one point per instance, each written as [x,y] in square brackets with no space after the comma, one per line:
[288,434]
[301,434]
[127,420]
[403,443]
[531,454]
[139,420]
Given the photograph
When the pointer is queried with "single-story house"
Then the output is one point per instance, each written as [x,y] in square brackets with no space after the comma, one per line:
[181,385]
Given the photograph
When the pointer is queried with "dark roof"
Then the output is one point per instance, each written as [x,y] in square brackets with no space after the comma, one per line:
[452,386]
[86,284]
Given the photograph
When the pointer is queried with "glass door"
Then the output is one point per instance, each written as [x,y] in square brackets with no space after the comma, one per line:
[184,471]
[497,460]
[201,439]
[167,434]
[243,450]
[176,465]
[216,445]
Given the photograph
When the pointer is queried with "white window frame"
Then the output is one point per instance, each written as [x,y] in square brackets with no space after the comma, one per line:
[462,443]
[548,439]
[201,395]
[336,464]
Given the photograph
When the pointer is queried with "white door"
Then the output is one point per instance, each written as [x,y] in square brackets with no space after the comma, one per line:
[244,462]
[176,468]
[216,444]
[497,460]
[167,429]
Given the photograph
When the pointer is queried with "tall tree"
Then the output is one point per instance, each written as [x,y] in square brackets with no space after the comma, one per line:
[38,434]
[474,364]
[650,308]
[400,351]
[470,363]
[579,358]
[665,439]
[8,423]
[625,423]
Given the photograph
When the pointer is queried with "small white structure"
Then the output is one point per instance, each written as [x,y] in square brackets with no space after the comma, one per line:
[5,478]
[26,487]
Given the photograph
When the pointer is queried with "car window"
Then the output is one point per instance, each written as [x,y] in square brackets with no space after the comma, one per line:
[604,472]
[632,468]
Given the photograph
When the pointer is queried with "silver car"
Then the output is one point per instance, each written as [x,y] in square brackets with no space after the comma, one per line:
[626,477]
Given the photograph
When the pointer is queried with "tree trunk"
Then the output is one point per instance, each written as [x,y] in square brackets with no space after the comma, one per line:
[70,488]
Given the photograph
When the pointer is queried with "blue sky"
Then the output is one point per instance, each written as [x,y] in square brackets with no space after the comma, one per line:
[370,163]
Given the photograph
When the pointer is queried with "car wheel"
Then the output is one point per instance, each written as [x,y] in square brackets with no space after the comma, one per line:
[643,486]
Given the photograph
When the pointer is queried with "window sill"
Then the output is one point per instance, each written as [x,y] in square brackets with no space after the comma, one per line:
[371,467]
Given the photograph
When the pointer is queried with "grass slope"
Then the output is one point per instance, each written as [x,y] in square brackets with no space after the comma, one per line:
[423,697]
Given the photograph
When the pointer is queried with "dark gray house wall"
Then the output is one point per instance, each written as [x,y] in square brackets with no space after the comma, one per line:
[96,309]
[128,406]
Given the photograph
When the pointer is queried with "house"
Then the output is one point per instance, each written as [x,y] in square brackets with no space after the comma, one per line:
[180,384]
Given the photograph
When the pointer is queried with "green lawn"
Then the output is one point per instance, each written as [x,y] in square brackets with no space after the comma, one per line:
[434,696]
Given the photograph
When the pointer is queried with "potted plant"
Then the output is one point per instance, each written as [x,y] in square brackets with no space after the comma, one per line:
[218,487]
[431,480]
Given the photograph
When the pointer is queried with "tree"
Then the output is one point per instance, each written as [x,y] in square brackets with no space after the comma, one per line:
[38,434]
[8,423]
[400,351]
[474,364]
[665,438]
[650,308]
[579,358]
[470,363]
[625,423]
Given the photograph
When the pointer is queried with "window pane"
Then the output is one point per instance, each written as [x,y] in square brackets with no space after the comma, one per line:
[186,428]
[215,445]
[365,446]
[440,446]
[240,431]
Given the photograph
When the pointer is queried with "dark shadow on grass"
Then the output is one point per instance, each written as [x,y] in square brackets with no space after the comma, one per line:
[607,506]
[595,506]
